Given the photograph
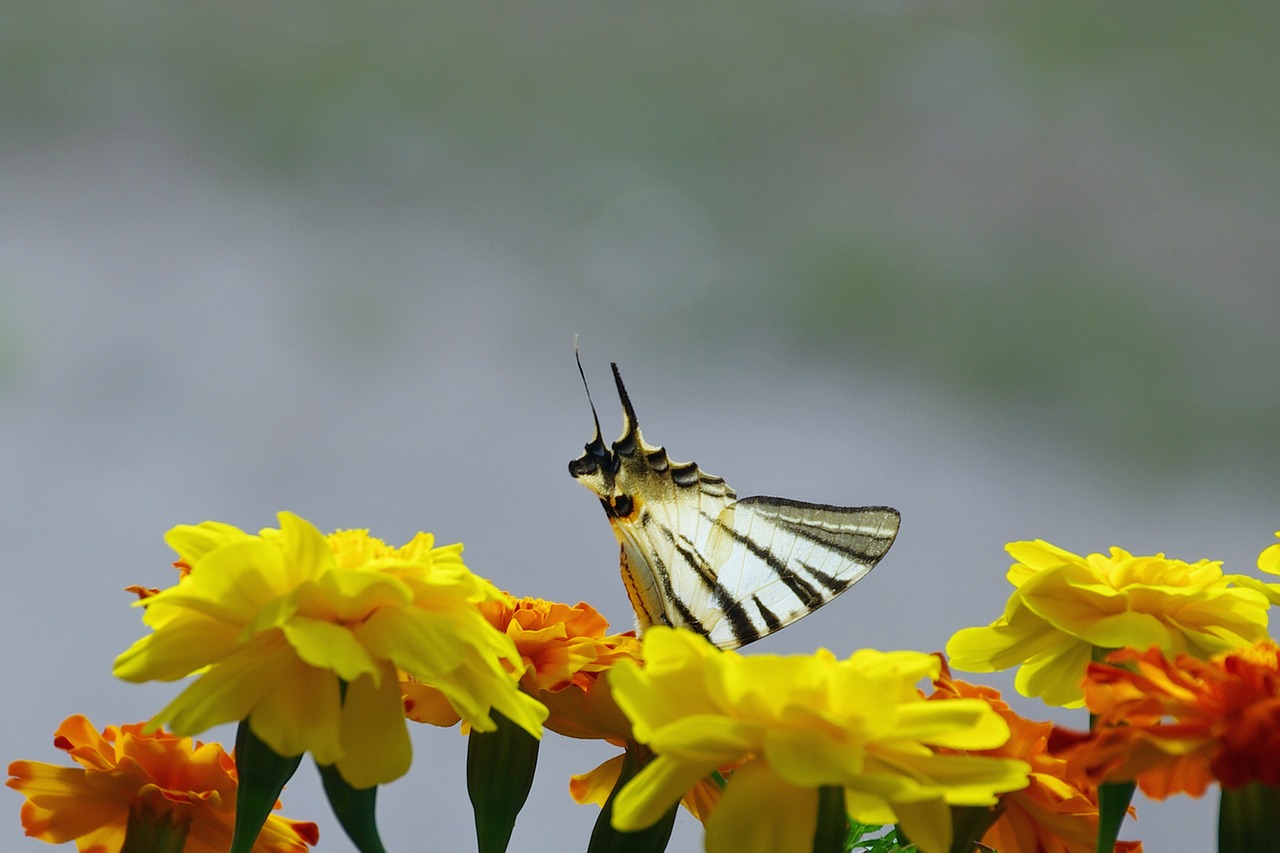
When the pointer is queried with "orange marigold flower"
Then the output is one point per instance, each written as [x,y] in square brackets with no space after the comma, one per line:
[1051,814]
[1176,725]
[565,649]
[122,771]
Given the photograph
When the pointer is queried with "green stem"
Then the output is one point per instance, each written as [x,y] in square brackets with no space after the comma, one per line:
[262,774]
[354,808]
[832,829]
[1249,820]
[500,766]
[652,839]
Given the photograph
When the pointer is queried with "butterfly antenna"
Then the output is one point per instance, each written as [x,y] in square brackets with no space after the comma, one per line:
[599,438]
[631,426]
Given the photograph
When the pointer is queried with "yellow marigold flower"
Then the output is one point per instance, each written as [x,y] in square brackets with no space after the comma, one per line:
[126,770]
[1064,606]
[1269,562]
[1053,814]
[797,724]
[564,650]
[304,635]
[1176,725]
[1269,559]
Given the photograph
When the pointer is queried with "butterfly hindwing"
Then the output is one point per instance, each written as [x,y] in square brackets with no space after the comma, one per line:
[695,556]
[783,559]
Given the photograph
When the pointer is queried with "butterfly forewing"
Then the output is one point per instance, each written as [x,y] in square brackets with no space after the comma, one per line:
[733,570]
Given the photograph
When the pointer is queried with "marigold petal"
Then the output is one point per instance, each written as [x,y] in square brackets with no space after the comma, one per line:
[425,704]
[956,723]
[301,713]
[423,644]
[306,550]
[1020,635]
[657,787]
[705,738]
[229,692]
[189,642]
[759,812]
[1130,628]
[374,736]
[809,757]
[1055,678]
[1269,559]
[596,785]
[330,646]
[927,823]
[1040,555]
[62,803]
[1071,596]
[193,541]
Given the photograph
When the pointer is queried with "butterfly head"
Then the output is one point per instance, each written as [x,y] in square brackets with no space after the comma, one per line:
[616,473]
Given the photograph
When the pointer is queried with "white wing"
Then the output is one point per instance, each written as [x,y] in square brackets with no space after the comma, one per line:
[781,560]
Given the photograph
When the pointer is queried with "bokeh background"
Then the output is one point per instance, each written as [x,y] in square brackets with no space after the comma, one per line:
[1011,267]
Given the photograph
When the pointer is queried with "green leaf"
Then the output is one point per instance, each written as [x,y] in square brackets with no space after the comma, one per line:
[833,821]
[1113,803]
[653,839]
[500,767]
[354,808]
[1249,820]
[150,833]
[262,773]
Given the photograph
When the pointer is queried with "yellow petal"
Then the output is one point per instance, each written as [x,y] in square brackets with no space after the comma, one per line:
[374,736]
[1128,629]
[189,642]
[1007,642]
[330,646]
[657,787]
[956,724]
[759,812]
[927,823]
[1040,555]
[306,551]
[229,691]
[810,758]
[1055,676]
[193,541]
[596,785]
[301,712]
[1269,559]
[706,738]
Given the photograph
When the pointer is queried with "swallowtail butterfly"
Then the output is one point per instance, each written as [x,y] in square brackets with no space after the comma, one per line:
[696,556]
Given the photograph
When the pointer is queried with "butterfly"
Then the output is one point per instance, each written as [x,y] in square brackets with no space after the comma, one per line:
[696,556]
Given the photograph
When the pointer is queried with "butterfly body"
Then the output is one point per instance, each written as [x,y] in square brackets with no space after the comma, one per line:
[694,555]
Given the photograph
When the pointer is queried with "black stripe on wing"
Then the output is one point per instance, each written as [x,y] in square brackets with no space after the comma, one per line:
[802,589]
[687,619]
[744,630]
[865,545]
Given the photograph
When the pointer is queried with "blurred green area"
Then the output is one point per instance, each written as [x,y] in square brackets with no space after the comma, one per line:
[1064,210]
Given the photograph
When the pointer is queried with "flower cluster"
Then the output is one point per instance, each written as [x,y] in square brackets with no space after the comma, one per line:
[326,644]
[1054,813]
[127,774]
[789,726]
[1175,725]
[305,635]
[1065,606]
[564,650]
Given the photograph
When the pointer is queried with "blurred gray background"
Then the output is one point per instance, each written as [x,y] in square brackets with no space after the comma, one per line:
[1010,267]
